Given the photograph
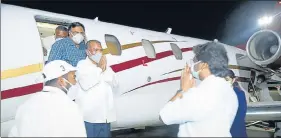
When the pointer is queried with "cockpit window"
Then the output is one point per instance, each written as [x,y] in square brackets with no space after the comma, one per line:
[176,51]
[113,45]
[148,48]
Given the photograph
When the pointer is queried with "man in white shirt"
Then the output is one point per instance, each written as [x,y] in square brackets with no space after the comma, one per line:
[206,110]
[95,96]
[51,113]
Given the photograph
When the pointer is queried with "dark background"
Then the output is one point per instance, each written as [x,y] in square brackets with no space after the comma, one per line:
[231,22]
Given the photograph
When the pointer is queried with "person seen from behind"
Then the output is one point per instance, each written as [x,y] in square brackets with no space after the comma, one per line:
[238,128]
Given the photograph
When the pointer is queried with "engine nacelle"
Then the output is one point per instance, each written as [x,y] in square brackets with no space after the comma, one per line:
[264,49]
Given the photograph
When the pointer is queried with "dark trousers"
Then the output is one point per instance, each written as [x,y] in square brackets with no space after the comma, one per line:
[98,129]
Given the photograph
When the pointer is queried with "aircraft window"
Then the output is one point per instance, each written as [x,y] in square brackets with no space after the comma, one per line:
[113,45]
[148,48]
[176,51]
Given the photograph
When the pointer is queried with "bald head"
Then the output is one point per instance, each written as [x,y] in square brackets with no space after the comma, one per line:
[94,46]
[61,32]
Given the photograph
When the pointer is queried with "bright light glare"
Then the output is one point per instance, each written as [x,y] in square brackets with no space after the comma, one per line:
[266,20]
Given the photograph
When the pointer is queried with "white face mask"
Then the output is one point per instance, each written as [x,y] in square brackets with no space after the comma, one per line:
[194,73]
[96,57]
[73,91]
[67,90]
[78,38]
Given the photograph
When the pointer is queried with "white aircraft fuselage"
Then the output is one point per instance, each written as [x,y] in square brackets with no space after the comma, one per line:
[145,84]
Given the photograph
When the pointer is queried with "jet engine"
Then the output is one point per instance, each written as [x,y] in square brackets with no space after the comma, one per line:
[264,49]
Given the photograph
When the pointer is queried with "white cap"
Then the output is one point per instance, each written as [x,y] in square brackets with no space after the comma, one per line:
[56,68]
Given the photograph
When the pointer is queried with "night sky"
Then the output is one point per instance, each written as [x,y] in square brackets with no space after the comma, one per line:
[205,20]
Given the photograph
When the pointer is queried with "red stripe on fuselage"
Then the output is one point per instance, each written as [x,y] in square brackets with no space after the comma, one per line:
[242,46]
[139,61]
[20,91]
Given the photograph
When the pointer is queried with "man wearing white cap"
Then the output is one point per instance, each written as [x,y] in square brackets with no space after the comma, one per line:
[51,113]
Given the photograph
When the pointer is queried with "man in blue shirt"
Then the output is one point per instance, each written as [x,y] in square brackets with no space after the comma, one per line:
[238,128]
[70,49]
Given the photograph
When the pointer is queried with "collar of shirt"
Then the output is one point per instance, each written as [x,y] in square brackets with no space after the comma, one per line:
[209,77]
[59,39]
[207,80]
[90,61]
[86,66]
